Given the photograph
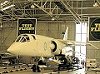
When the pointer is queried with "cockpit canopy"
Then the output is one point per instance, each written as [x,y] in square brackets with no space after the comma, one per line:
[23,38]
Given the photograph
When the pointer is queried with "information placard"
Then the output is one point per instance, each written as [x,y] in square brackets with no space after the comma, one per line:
[27,25]
[94,29]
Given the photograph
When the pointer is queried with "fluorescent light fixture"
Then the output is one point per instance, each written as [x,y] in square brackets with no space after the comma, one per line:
[53,19]
[4,3]
[95,4]
[30,0]
[5,8]
[32,6]
[1,26]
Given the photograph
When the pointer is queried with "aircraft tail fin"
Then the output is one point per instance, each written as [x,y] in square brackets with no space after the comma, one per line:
[66,34]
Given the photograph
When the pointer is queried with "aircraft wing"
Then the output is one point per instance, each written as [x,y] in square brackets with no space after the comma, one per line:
[75,43]
[69,42]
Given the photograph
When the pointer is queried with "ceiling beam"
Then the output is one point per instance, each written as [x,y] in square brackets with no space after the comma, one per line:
[40,7]
[68,7]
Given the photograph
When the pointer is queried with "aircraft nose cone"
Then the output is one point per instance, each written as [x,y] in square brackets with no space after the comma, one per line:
[10,50]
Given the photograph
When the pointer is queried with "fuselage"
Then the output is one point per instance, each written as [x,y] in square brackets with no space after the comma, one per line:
[35,45]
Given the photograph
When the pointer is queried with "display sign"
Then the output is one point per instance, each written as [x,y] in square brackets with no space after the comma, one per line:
[26,25]
[94,29]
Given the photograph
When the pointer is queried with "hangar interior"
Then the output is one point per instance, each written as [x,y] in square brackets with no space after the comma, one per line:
[53,16]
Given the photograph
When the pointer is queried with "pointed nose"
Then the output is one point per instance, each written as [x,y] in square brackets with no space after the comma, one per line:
[12,49]
[9,50]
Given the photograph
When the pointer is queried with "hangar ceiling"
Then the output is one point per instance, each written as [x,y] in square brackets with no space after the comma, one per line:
[60,10]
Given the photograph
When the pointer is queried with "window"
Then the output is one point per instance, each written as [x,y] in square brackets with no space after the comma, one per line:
[17,40]
[78,28]
[81,31]
[23,38]
[33,37]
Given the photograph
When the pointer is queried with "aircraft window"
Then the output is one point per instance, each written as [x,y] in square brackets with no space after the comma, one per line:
[18,39]
[23,38]
[33,37]
[27,38]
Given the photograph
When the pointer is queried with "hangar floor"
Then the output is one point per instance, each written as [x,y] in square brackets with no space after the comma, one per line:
[17,70]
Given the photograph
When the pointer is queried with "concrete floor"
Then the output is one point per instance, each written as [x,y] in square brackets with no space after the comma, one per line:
[61,72]
[29,71]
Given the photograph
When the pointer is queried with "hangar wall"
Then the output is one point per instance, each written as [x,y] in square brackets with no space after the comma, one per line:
[54,29]
[7,34]
[93,53]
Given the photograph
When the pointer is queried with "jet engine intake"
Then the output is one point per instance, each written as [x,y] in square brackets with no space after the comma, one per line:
[53,46]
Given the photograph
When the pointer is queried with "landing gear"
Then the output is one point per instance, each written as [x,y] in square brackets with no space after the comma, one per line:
[35,68]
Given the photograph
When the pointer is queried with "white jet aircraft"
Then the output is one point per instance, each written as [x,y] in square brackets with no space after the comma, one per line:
[38,45]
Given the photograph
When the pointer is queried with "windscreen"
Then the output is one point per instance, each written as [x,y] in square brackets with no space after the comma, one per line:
[23,38]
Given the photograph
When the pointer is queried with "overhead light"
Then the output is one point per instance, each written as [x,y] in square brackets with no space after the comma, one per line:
[4,3]
[32,6]
[30,0]
[53,19]
[1,26]
[5,8]
[96,4]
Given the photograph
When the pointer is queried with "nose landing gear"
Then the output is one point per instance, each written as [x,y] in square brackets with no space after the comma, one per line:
[35,68]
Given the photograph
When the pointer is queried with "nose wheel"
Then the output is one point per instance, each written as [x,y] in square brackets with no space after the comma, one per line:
[35,68]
